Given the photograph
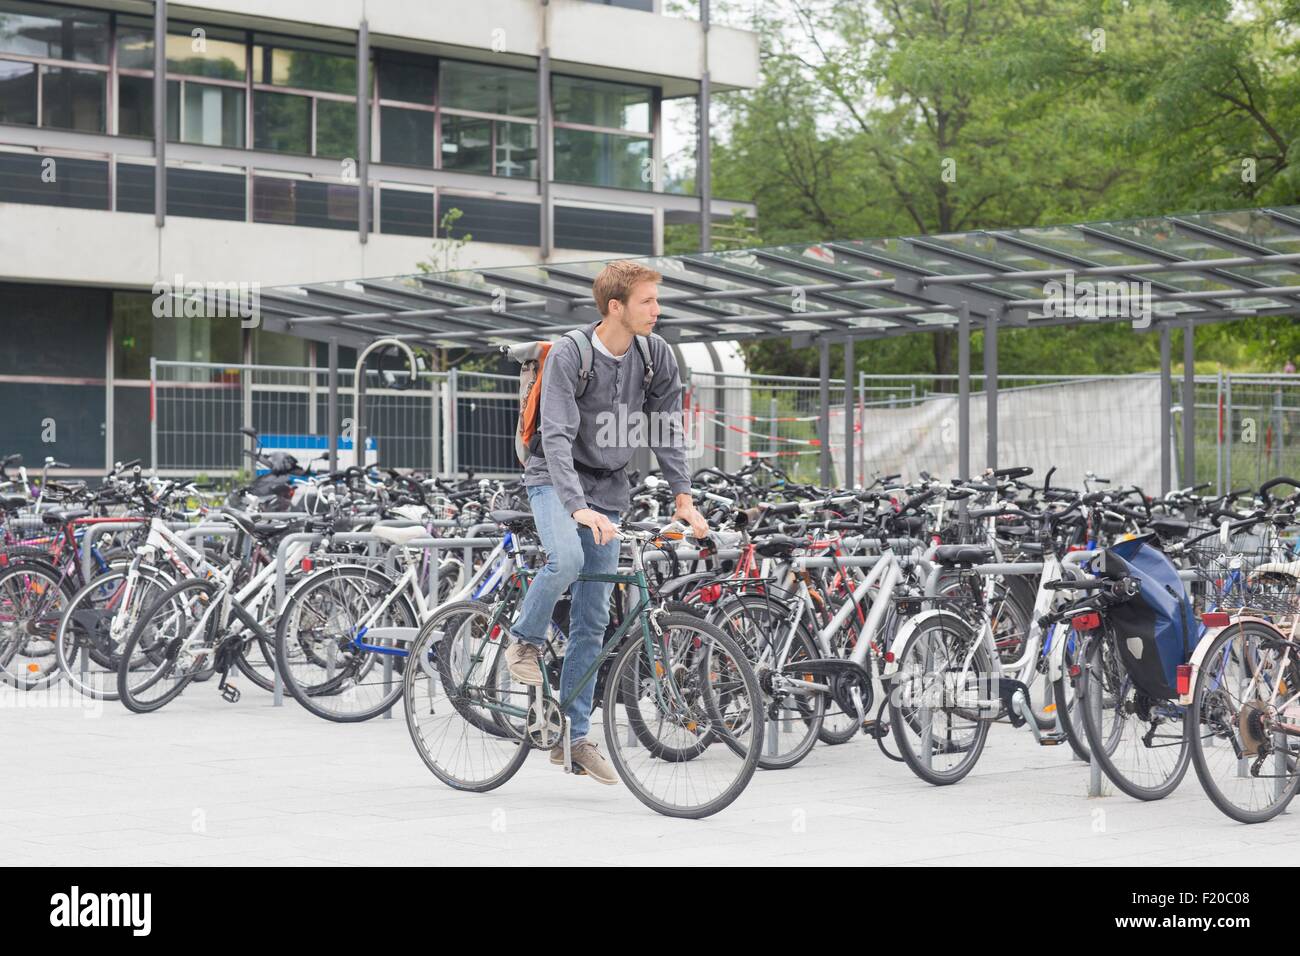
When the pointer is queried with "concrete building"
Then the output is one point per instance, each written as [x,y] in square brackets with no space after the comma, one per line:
[542,130]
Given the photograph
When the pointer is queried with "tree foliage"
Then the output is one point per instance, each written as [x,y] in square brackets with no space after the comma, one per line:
[907,117]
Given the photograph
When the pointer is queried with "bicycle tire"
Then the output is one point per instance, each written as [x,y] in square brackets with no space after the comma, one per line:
[742,739]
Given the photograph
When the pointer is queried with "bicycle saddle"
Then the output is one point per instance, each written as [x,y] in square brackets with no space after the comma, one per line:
[267,529]
[966,554]
[1167,526]
[779,546]
[12,502]
[399,536]
[515,520]
[63,517]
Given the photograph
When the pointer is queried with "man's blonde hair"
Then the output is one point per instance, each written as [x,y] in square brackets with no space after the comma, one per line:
[616,281]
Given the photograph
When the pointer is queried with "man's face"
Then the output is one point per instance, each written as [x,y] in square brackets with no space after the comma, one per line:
[642,310]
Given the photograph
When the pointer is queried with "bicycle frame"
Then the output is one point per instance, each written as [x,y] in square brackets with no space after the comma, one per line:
[640,614]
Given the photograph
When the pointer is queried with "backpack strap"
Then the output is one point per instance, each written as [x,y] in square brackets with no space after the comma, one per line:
[643,346]
[586,358]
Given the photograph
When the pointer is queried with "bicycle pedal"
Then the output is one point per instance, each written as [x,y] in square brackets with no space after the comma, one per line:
[1052,739]
[230,694]
[875,729]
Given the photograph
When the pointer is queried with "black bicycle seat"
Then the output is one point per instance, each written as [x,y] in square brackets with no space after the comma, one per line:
[515,520]
[779,546]
[1168,526]
[963,554]
[63,517]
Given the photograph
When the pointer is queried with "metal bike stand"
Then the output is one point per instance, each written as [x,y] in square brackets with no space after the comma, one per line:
[426,544]
[436,545]
[1094,768]
[281,555]
[107,527]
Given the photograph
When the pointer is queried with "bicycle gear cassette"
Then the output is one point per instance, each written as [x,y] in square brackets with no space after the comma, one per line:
[1251,725]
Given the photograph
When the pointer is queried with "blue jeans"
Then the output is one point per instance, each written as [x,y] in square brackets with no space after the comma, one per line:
[570,550]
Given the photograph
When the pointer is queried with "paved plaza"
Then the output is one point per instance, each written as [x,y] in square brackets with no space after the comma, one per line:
[205,782]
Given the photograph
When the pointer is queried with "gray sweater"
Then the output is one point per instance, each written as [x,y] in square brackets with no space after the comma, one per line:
[600,429]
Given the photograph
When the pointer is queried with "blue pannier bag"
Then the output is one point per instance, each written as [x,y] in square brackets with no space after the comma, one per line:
[1155,629]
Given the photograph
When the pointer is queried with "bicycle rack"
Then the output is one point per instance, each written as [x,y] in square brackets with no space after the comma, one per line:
[468,544]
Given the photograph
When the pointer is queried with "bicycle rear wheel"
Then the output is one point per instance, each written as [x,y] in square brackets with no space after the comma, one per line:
[1247,765]
[464,714]
[935,715]
[692,683]
[32,600]
[88,653]
[1138,741]
[326,655]
[170,646]
[794,720]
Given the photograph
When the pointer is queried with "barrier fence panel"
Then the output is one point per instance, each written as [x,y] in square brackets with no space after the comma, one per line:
[734,419]
[1247,429]
[1247,425]
[198,410]
[487,410]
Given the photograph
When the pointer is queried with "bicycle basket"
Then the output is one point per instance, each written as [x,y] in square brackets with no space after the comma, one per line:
[1155,629]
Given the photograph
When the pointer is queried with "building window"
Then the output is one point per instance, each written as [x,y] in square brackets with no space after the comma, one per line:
[281,122]
[492,220]
[17,93]
[603,133]
[306,202]
[406,78]
[212,115]
[55,56]
[405,212]
[480,88]
[47,32]
[137,335]
[602,159]
[614,106]
[194,50]
[481,118]
[72,99]
[406,136]
[304,65]
[206,87]
[277,348]
[336,128]
[303,93]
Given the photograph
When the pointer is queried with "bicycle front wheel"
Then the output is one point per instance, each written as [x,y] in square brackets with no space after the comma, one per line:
[694,690]
[1246,762]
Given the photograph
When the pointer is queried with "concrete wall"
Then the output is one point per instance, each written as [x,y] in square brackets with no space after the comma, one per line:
[580,32]
[93,247]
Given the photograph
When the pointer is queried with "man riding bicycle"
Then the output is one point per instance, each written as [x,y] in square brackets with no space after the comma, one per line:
[577,482]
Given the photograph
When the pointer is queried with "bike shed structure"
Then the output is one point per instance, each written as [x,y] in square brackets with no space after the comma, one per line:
[1156,273]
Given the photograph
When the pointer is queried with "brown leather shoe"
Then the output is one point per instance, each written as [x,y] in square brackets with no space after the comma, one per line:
[524,661]
[593,763]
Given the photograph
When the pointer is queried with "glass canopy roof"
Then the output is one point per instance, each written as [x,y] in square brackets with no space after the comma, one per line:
[1199,267]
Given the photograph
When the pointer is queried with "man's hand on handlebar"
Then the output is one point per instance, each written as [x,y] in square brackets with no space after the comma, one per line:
[687,513]
[602,529]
